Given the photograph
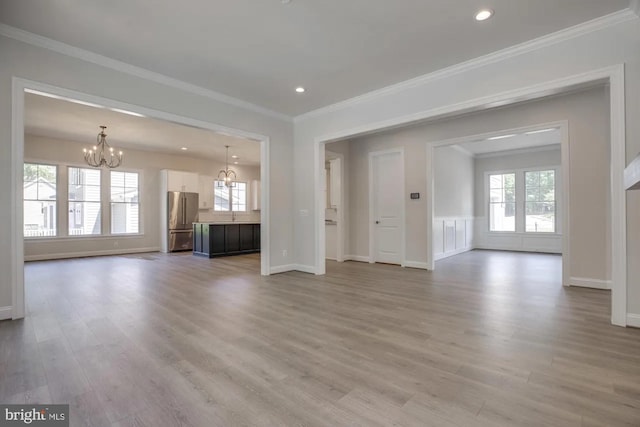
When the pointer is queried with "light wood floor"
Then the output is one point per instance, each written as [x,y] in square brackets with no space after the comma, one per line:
[489,339]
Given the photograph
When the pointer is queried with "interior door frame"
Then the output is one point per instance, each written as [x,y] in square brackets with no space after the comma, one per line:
[21,85]
[341,226]
[563,126]
[372,234]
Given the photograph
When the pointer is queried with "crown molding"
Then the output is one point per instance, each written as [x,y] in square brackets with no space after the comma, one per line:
[516,151]
[104,61]
[462,150]
[597,24]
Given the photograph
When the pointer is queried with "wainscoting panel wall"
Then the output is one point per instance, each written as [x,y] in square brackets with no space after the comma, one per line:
[452,236]
[528,242]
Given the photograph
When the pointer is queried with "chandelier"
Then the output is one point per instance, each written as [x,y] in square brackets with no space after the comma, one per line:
[227,175]
[102,153]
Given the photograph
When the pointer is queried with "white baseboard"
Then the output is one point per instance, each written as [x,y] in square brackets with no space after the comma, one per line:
[305,268]
[633,320]
[65,255]
[282,268]
[590,283]
[416,264]
[357,258]
[331,258]
[6,312]
[444,255]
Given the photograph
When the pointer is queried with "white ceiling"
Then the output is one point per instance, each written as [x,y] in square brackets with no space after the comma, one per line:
[60,119]
[516,142]
[260,50]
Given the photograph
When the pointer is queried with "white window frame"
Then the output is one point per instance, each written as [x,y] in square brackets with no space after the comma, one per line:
[62,198]
[57,199]
[111,202]
[521,200]
[246,197]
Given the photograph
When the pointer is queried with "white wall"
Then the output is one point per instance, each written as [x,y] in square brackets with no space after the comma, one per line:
[453,183]
[609,42]
[453,186]
[41,65]
[548,157]
[148,164]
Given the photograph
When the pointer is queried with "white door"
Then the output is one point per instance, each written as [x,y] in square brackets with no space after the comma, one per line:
[387,188]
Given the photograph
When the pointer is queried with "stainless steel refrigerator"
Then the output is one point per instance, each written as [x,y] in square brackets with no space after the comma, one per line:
[183,212]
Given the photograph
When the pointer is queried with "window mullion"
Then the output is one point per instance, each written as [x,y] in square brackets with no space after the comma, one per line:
[520,201]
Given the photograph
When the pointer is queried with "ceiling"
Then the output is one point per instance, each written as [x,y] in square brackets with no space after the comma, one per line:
[260,50]
[515,142]
[60,119]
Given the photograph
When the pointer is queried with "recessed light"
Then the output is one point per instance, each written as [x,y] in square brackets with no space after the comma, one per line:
[484,14]
[234,157]
[533,132]
[184,148]
[300,89]
[493,138]
[235,163]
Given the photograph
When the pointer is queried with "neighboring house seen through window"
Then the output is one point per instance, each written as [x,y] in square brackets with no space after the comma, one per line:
[40,200]
[84,202]
[125,205]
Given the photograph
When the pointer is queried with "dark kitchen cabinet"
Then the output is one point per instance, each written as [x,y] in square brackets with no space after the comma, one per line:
[214,240]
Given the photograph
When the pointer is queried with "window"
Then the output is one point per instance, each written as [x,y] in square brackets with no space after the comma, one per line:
[502,202]
[540,203]
[125,204]
[228,199]
[40,200]
[84,202]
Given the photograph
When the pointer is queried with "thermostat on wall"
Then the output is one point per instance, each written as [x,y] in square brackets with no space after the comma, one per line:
[415,196]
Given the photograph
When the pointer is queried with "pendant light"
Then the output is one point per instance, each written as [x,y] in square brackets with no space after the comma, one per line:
[227,175]
[102,154]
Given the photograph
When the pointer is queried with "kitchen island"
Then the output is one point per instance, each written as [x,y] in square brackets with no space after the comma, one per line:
[214,239]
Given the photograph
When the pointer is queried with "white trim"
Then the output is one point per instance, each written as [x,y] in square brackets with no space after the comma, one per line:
[282,268]
[265,206]
[634,6]
[340,226]
[633,320]
[584,282]
[416,264]
[305,268]
[444,255]
[103,61]
[401,186]
[17,196]
[6,312]
[517,151]
[463,150]
[320,204]
[20,85]
[357,258]
[108,252]
[618,197]
[597,24]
